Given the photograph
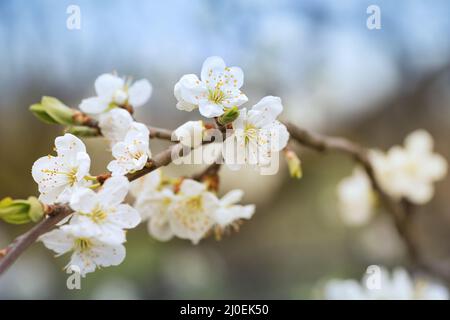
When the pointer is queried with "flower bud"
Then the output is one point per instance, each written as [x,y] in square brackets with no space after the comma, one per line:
[21,211]
[229,116]
[53,111]
[82,131]
[294,164]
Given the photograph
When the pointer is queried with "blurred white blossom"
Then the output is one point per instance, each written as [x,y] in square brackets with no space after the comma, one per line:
[356,198]
[187,210]
[410,171]
[398,286]
[229,211]
[153,198]
[113,91]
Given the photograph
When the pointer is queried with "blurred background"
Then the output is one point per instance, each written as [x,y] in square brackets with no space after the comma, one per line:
[334,76]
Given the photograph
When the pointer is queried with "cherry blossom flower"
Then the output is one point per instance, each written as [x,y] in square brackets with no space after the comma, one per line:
[58,176]
[132,153]
[115,124]
[257,135]
[398,286]
[190,134]
[88,251]
[153,199]
[191,214]
[410,171]
[229,212]
[217,90]
[356,198]
[113,91]
[103,212]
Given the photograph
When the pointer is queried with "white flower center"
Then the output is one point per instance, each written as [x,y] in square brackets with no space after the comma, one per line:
[71,175]
[120,97]
[82,244]
[250,133]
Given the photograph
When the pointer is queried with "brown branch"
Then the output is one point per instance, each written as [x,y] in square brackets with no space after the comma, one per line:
[400,210]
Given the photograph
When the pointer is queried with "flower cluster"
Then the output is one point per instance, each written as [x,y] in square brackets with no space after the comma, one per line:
[403,172]
[185,209]
[257,134]
[95,231]
[398,286]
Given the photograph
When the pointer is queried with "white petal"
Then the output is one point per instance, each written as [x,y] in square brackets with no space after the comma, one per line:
[210,110]
[212,65]
[270,108]
[139,93]
[435,167]
[236,77]
[126,216]
[109,255]
[57,240]
[116,168]
[114,191]
[115,124]
[189,134]
[159,227]
[147,184]
[191,187]
[83,164]
[69,146]
[190,89]
[83,200]
[232,197]
[419,141]
[107,84]
[225,216]
[83,261]
[94,105]
[45,172]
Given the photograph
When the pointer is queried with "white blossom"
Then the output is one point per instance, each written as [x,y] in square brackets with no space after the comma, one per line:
[113,91]
[398,286]
[258,135]
[410,171]
[88,251]
[191,213]
[58,176]
[115,124]
[228,211]
[356,198]
[190,134]
[153,199]
[132,153]
[217,89]
[103,212]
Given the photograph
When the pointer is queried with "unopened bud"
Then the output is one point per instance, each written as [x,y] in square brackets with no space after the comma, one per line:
[229,116]
[21,211]
[294,164]
[53,111]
